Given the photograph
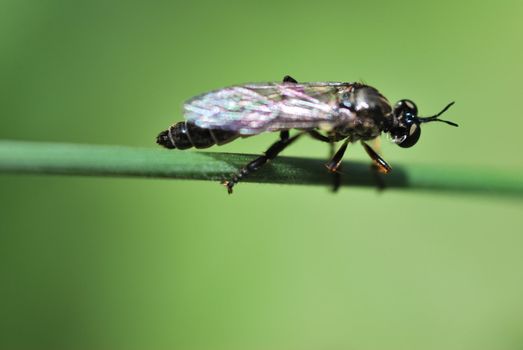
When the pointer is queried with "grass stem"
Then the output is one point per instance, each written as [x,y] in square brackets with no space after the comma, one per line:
[94,160]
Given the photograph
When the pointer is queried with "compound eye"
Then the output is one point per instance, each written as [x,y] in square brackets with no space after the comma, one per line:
[412,137]
[405,109]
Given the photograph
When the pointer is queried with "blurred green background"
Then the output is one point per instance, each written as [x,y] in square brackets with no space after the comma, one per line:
[104,263]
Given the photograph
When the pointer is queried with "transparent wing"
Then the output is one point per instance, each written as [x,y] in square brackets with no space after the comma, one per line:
[254,108]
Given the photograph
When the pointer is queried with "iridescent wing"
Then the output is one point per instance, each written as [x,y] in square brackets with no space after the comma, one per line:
[254,108]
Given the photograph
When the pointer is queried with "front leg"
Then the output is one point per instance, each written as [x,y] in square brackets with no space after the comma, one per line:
[379,166]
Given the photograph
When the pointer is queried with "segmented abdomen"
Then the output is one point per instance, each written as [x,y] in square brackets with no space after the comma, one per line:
[184,135]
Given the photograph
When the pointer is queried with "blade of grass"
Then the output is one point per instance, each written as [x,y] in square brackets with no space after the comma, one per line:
[93,160]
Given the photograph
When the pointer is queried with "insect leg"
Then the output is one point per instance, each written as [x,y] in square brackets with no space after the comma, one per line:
[256,164]
[336,176]
[289,79]
[317,136]
[378,166]
[381,165]
[335,162]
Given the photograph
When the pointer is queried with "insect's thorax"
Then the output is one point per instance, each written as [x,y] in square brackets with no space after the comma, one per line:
[371,110]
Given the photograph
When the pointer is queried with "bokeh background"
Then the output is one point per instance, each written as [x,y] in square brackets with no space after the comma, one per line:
[106,263]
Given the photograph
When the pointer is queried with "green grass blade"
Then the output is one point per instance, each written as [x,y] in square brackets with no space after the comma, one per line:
[93,160]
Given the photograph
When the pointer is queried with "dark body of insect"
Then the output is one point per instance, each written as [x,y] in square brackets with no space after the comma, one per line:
[327,111]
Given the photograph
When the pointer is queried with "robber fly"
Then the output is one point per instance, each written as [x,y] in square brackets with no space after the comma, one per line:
[327,111]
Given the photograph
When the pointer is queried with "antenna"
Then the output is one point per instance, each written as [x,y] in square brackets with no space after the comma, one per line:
[434,118]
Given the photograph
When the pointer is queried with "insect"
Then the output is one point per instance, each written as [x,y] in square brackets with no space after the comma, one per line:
[327,111]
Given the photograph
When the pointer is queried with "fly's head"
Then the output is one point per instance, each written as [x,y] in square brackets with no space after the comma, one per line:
[406,129]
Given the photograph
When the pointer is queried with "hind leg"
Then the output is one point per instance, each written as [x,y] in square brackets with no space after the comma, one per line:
[256,164]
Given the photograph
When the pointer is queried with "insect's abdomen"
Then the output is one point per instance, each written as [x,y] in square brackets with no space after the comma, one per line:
[185,135]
